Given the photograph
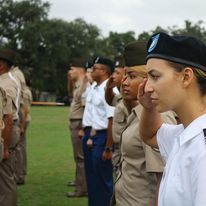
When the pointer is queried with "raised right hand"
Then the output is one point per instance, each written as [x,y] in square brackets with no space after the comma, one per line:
[110,83]
[144,97]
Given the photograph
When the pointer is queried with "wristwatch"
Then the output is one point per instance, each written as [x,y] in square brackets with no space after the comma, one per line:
[108,149]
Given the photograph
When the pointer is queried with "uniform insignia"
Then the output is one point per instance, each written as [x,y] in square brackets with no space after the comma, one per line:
[154,42]
[117,63]
[204,131]
[97,59]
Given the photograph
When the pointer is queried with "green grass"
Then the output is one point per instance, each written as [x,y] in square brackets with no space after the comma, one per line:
[50,160]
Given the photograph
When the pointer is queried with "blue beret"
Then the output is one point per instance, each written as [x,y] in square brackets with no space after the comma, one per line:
[179,49]
[105,61]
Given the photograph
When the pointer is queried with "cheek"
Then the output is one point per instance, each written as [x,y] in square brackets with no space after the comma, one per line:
[134,88]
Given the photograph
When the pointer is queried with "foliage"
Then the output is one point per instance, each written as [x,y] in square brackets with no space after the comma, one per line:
[45,46]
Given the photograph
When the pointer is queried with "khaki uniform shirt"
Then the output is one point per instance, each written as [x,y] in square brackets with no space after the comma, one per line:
[77,104]
[12,92]
[2,105]
[136,183]
[119,119]
[19,76]
[27,99]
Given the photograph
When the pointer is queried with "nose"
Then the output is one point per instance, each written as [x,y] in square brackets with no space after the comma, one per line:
[125,81]
[148,87]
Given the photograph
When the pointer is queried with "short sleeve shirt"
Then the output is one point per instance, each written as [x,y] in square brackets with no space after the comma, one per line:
[184,179]
[88,95]
[12,94]
[101,111]
[119,120]
[27,99]
[136,182]
[76,107]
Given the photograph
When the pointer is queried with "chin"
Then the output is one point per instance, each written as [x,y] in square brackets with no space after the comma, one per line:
[161,108]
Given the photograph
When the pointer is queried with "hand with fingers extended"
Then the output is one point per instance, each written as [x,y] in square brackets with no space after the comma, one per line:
[144,97]
[110,83]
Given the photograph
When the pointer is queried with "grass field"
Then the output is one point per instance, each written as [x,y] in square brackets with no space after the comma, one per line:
[50,160]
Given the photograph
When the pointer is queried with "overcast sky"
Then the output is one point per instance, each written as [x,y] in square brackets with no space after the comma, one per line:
[129,15]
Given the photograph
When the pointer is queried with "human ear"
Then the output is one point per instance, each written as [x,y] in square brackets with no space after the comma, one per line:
[188,76]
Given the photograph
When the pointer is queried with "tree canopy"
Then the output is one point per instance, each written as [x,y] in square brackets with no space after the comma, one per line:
[45,46]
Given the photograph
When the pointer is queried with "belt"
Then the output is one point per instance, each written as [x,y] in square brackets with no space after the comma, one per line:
[101,130]
[86,128]
[72,120]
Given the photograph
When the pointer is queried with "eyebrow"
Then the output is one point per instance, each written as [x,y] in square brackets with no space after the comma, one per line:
[151,71]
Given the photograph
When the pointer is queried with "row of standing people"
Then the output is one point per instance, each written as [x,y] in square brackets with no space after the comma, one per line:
[15,101]
[174,79]
[107,132]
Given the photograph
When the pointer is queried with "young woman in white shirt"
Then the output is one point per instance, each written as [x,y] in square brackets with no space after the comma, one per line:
[176,68]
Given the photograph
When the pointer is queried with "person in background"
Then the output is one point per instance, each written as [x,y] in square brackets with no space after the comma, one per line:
[120,112]
[19,79]
[140,166]
[27,100]
[80,83]
[10,133]
[2,106]
[100,137]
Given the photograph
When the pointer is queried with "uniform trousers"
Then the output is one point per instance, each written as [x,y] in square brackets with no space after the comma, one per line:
[8,192]
[88,166]
[75,126]
[21,158]
[103,178]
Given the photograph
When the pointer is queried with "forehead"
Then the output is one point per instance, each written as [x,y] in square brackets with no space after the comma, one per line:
[156,64]
[74,68]
[98,65]
[129,71]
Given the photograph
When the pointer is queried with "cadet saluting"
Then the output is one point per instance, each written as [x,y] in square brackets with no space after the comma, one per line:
[176,69]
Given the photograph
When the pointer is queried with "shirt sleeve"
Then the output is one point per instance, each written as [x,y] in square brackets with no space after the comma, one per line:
[199,180]
[154,161]
[109,110]
[8,106]
[166,136]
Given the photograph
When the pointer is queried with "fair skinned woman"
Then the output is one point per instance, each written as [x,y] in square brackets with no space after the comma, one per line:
[177,81]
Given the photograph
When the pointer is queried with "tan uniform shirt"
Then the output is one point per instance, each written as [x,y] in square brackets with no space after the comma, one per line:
[136,183]
[2,105]
[119,119]
[27,99]
[77,104]
[12,92]
[18,74]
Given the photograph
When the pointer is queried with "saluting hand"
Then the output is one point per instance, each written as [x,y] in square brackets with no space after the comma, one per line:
[144,97]
[110,83]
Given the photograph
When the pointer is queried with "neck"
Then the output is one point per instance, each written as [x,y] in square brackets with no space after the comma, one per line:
[192,109]
[102,80]
[3,72]
[130,104]
[80,78]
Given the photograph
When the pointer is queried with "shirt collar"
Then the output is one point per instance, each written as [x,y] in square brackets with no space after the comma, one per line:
[193,129]
[102,85]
